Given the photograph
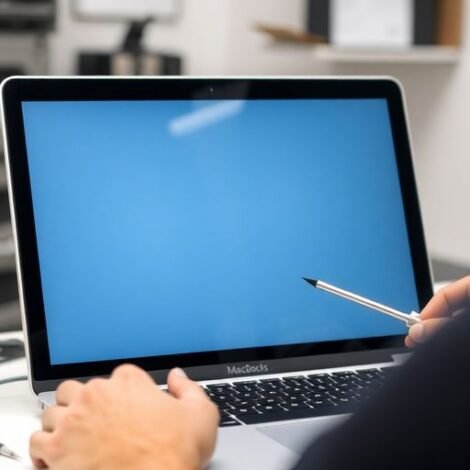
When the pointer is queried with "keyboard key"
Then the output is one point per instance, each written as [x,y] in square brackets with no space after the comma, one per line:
[319,376]
[225,406]
[344,400]
[313,383]
[295,414]
[294,391]
[295,406]
[246,386]
[366,383]
[268,408]
[320,388]
[244,411]
[294,381]
[317,396]
[321,403]
[241,404]
[269,401]
[215,387]
[219,398]
[294,399]
[269,386]
[340,394]
[344,378]
[344,373]
[249,395]
[369,374]
[346,385]
[228,421]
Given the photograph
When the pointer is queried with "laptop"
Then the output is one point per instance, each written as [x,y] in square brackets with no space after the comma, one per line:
[170,222]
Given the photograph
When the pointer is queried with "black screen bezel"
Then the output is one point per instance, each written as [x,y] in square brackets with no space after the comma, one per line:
[17,90]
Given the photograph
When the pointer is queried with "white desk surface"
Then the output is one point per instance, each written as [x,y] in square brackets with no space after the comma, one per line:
[20,411]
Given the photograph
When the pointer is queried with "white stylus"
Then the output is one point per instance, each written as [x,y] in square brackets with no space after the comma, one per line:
[410,319]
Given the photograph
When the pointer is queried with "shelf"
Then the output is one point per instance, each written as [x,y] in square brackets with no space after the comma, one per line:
[415,55]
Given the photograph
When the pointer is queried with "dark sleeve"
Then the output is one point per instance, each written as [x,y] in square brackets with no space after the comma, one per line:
[419,420]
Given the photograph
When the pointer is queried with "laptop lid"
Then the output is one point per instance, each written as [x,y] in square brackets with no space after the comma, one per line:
[169,222]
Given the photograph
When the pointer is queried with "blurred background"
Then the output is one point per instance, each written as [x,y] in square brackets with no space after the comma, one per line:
[423,43]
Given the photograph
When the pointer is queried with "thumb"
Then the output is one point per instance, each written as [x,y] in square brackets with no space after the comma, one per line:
[181,387]
[420,332]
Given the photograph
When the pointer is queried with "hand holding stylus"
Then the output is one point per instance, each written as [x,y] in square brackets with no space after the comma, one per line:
[410,319]
[441,308]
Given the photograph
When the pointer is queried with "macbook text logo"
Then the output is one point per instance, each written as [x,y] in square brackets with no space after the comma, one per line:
[247,369]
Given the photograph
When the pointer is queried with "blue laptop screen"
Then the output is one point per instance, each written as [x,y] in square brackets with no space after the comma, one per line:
[169,227]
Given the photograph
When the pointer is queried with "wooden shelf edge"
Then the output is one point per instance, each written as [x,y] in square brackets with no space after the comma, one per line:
[414,55]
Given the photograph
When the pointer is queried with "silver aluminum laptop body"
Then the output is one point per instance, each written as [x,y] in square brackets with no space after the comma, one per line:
[270,446]
[275,445]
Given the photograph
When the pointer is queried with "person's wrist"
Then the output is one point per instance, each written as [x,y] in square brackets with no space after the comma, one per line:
[156,461]
[181,457]
[171,456]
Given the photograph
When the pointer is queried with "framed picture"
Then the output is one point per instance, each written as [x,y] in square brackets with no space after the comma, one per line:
[376,23]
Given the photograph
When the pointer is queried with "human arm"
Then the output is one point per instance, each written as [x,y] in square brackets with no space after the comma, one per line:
[419,419]
[126,422]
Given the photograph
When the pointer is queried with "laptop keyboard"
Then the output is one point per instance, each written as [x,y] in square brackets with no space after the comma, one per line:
[294,397]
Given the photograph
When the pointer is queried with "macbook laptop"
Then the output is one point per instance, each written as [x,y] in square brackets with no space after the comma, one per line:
[170,222]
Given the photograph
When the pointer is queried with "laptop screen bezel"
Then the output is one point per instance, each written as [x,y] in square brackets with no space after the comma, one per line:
[18,90]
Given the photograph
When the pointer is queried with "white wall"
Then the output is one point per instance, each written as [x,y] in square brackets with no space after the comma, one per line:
[439,106]
[217,37]
[199,35]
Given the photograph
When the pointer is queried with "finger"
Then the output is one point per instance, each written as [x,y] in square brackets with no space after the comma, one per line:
[409,343]
[181,387]
[39,442]
[38,463]
[448,300]
[205,412]
[131,373]
[67,392]
[422,331]
[51,417]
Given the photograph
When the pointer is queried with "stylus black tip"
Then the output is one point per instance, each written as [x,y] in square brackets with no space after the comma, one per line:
[312,282]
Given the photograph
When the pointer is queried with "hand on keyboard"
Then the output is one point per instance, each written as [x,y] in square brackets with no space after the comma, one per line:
[127,422]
